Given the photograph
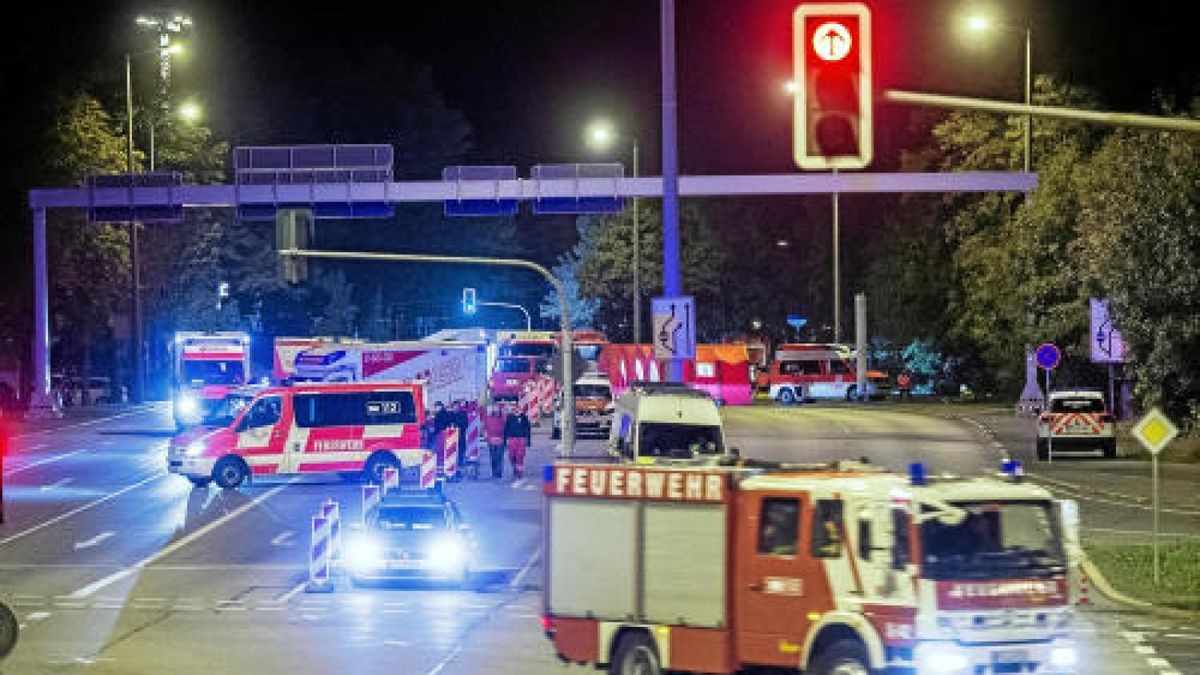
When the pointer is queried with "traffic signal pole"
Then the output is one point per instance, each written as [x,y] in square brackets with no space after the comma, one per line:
[563,308]
[672,276]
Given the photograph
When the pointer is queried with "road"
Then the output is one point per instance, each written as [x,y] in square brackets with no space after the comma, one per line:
[114,566]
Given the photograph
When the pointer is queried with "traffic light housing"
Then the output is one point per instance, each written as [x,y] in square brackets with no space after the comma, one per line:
[468,301]
[833,106]
[293,231]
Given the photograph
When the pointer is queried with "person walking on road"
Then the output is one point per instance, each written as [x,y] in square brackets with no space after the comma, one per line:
[493,426]
[904,384]
[517,437]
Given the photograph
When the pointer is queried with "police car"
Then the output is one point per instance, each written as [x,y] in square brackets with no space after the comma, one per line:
[1076,420]
[411,536]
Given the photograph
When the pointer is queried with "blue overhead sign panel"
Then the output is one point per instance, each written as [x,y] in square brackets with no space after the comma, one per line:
[110,198]
[275,166]
[477,191]
[578,188]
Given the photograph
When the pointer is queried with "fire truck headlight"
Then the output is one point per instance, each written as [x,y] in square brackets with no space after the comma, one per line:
[195,448]
[1063,657]
[941,658]
[448,554]
[363,553]
[187,408]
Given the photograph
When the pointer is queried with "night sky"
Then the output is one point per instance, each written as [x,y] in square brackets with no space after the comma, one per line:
[528,75]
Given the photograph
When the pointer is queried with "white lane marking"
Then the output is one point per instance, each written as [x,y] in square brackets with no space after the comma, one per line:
[1144,649]
[292,593]
[81,509]
[1158,662]
[88,423]
[515,584]
[48,460]
[39,446]
[37,616]
[98,539]
[283,539]
[179,543]
[1133,636]
[1182,636]
[108,442]
[56,484]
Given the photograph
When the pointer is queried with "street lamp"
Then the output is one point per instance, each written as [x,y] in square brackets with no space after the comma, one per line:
[980,23]
[164,51]
[601,135]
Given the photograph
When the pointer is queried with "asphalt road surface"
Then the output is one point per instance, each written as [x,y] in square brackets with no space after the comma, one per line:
[114,566]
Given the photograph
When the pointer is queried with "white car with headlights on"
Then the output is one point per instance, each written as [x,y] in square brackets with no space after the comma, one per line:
[415,536]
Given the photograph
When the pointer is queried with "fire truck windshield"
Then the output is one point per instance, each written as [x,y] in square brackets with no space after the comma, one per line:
[527,349]
[213,372]
[679,441]
[514,366]
[996,540]
[225,411]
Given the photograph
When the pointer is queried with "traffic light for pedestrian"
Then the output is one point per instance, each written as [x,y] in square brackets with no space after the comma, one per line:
[469,305]
[293,231]
[833,105]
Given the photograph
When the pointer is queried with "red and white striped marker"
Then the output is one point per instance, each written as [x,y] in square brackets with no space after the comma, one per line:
[1084,587]
[528,399]
[475,439]
[428,470]
[450,452]
[391,479]
[371,496]
[319,578]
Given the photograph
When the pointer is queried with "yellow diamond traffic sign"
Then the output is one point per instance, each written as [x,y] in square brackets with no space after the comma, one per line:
[1155,431]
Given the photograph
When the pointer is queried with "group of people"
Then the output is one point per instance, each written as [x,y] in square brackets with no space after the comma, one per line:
[507,427]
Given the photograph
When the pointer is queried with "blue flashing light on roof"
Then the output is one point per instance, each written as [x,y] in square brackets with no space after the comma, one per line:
[916,473]
[1012,468]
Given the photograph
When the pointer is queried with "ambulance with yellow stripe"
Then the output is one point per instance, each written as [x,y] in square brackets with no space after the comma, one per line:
[353,428]
[838,569]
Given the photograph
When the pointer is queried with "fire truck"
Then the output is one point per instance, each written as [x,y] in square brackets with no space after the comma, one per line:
[837,568]
[205,367]
[805,372]
[451,371]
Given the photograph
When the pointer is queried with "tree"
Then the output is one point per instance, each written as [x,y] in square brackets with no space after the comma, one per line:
[583,310]
[89,273]
[1140,200]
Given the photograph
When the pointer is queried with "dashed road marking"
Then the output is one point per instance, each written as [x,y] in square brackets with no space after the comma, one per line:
[81,509]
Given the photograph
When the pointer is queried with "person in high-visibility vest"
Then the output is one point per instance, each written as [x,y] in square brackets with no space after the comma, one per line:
[493,426]
[518,434]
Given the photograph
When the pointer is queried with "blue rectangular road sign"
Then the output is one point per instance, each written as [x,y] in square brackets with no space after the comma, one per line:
[476,190]
[674,327]
[573,202]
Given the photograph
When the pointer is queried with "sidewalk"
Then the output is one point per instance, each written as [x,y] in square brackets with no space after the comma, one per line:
[74,416]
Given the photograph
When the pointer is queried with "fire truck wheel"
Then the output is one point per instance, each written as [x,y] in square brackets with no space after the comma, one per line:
[376,463]
[229,472]
[635,655]
[786,397]
[844,657]
[8,630]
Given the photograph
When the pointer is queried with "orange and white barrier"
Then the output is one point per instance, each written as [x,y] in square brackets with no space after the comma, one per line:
[1084,588]
[529,400]
[547,387]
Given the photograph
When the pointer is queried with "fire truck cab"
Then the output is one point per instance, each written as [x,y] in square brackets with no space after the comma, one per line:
[840,568]
[205,368]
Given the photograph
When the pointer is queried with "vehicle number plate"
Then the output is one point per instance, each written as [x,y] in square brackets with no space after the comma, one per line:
[1010,656]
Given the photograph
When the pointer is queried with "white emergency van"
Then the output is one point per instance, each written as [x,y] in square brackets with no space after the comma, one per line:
[663,421]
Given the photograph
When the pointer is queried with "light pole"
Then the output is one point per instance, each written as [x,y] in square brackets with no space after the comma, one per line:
[979,23]
[602,135]
[139,375]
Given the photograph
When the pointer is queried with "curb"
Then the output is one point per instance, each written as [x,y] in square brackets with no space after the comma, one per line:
[1120,598]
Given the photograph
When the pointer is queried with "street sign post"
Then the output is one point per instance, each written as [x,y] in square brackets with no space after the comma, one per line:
[674,327]
[1155,431]
[1048,356]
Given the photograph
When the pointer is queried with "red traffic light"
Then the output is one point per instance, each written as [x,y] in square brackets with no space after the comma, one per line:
[833,107]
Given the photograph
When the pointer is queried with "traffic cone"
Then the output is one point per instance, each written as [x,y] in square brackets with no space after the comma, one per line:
[1084,587]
